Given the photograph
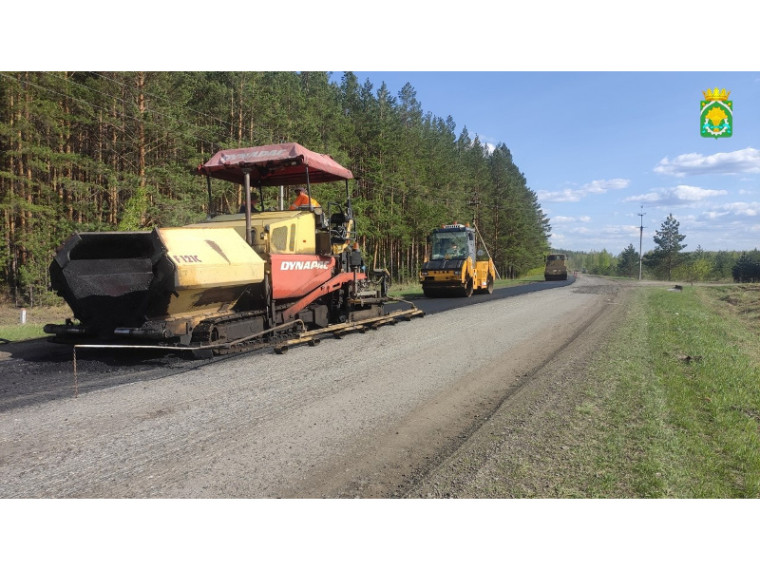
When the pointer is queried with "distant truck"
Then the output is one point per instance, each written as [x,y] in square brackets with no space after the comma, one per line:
[555,270]
[455,266]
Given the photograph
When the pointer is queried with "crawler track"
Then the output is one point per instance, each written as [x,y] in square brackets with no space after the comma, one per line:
[279,338]
[340,330]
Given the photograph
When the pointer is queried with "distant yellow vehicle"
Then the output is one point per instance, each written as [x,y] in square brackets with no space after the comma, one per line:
[555,270]
[455,267]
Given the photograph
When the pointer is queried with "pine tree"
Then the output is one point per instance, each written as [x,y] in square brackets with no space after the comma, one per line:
[747,268]
[667,255]
[628,265]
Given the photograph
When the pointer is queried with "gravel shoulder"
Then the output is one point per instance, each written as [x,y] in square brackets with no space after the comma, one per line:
[420,409]
[520,449]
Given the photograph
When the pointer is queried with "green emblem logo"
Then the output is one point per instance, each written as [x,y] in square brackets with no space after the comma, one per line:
[717,116]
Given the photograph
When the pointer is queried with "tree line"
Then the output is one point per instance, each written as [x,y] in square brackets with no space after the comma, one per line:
[103,151]
[667,261]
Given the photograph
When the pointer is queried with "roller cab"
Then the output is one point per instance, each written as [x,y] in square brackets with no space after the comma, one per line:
[455,266]
[555,269]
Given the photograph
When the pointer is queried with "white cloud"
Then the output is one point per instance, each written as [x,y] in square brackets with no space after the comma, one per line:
[561,196]
[570,219]
[576,194]
[746,209]
[737,162]
[681,194]
[613,238]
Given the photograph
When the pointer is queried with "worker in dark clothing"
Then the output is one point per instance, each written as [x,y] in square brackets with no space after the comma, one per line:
[254,205]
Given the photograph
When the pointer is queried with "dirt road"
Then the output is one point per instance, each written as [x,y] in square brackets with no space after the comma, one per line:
[388,413]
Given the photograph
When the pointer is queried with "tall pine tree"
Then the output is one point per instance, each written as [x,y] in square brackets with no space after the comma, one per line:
[667,255]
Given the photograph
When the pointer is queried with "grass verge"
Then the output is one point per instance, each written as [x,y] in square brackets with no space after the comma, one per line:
[672,406]
[36,317]
[15,333]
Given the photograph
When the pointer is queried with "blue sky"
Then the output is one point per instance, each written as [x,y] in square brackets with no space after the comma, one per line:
[597,146]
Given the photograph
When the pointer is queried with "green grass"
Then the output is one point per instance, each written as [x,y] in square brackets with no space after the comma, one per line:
[16,333]
[678,394]
[10,316]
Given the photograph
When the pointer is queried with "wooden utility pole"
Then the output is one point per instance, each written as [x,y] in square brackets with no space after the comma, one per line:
[641,236]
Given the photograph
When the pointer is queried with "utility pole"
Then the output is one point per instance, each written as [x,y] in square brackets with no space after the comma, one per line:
[641,236]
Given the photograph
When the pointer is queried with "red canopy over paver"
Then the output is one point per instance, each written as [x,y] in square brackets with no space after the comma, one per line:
[274,165]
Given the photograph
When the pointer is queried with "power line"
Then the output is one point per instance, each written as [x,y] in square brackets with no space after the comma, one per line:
[153,95]
[641,236]
[95,106]
[195,130]
[151,111]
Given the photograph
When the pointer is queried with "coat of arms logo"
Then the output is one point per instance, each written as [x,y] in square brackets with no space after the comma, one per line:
[717,116]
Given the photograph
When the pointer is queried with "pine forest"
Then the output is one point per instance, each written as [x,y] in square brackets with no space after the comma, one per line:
[105,151]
